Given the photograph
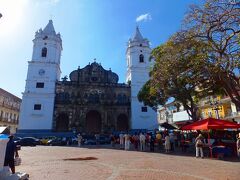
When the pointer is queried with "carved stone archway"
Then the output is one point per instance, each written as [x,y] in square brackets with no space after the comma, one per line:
[93,122]
[62,122]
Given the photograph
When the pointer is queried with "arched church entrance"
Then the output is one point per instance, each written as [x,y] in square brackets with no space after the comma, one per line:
[93,122]
[122,122]
[62,122]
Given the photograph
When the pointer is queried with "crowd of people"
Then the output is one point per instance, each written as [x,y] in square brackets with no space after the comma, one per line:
[147,141]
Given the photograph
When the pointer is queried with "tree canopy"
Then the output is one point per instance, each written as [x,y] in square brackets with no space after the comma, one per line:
[199,60]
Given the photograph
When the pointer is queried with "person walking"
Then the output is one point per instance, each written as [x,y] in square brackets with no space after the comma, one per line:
[199,145]
[11,152]
[142,139]
[79,139]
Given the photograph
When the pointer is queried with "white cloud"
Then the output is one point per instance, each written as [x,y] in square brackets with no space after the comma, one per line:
[144,17]
[54,1]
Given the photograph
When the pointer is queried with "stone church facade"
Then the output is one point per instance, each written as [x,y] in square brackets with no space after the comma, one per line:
[91,100]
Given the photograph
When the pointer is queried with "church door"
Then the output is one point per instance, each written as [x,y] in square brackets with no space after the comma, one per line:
[122,122]
[93,122]
[62,122]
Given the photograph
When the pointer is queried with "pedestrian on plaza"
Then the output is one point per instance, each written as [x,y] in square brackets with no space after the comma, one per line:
[152,142]
[167,143]
[238,145]
[121,140]
[142,139]
[11,152]
[171,136]
[136,141]
[79,139]
[97,137]
[199,145]
[159,140]
[127,141]
[113,140]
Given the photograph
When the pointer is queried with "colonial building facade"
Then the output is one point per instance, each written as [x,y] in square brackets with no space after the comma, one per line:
[9,110]
[92,100]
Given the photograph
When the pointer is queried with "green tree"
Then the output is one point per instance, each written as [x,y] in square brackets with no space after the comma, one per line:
[174,75]
[216,23]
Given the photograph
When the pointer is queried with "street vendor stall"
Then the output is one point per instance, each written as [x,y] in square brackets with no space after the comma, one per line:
[210,124]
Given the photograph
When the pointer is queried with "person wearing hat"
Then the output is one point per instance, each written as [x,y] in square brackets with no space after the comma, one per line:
[199,145]
[11,152]
[238,145]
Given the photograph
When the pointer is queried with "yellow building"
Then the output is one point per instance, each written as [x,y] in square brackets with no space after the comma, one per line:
[219,107]
[9,110]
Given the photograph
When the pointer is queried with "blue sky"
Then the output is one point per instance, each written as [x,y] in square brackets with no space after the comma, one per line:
[89,28]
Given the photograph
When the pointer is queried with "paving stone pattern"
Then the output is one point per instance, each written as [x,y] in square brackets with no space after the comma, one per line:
[47,162]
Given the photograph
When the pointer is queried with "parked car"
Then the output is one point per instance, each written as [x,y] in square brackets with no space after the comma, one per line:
[89,140]
[16,139]
[28,141]
[57,142]
[104,139]
[44,140]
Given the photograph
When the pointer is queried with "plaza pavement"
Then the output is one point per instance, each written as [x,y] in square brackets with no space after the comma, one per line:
[47,163]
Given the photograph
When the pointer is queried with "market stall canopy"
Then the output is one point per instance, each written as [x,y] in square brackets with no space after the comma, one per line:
[211,123]
[167,126]
[4,130]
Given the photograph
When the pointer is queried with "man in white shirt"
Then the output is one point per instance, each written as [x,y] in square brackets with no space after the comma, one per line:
[121,139]
[127,141]
[142,139]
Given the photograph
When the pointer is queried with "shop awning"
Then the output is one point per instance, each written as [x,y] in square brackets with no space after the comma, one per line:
[211,123]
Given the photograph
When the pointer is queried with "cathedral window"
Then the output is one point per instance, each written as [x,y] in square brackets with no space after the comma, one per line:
[44,52]
[40,85]
[144,109]
[141,58]
[37,106]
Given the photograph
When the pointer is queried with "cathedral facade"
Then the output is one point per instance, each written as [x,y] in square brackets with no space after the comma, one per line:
[91,100]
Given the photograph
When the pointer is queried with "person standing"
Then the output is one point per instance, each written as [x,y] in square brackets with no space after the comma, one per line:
[121,140]
[142,139]
[152,142]
[238,145]
[112,137]
[127,141]
[199,145]
[11,152]
[97,137]
[167,143]
[159,140]
[136,141]
[171,135]
[79,139]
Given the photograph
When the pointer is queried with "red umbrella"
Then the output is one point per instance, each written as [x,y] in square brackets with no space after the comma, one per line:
[211,123]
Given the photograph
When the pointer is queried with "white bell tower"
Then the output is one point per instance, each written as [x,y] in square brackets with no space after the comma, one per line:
[138,68]
[36,114]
